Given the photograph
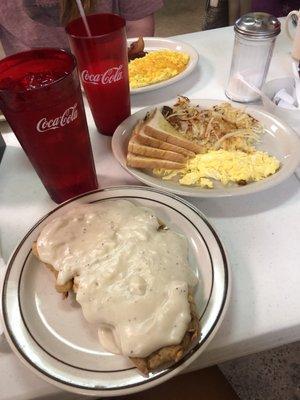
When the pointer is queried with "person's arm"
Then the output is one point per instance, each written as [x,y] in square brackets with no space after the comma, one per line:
[141,27]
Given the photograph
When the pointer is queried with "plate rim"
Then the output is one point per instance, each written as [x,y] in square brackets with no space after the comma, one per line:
[194,59]
[193,353]
[188,191]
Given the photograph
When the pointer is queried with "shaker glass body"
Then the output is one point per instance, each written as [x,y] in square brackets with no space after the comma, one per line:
[251,60]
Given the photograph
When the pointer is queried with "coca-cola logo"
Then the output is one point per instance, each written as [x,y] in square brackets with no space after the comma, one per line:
[68,116]
[111,75]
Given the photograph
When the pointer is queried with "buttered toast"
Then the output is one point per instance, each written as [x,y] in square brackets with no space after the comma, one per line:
[154,143]
[158,127]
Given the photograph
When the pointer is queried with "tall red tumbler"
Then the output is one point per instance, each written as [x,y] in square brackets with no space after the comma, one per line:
[40,96]
[103,64]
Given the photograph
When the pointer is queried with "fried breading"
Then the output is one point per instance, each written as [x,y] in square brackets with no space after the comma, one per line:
[174,353]
[159,358]
[66,287]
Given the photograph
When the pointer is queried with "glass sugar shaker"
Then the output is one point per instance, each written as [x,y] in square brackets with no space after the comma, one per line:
[255,35]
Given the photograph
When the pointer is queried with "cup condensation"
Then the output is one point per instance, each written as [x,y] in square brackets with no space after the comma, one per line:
[103,64]
[41,99]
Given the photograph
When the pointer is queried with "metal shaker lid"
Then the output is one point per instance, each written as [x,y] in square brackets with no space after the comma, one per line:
[258,25]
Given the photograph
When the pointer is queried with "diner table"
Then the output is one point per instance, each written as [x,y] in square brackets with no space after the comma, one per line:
[260,232]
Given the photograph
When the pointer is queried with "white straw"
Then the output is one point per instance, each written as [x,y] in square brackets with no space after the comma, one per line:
[81,10]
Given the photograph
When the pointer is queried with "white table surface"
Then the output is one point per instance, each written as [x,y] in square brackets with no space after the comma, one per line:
[261,232]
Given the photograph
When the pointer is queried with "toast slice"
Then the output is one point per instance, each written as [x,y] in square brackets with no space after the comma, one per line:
[147,140]
[136,161]
[134,147]
[159,128]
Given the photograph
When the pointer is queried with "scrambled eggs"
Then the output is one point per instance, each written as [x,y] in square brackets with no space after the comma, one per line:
[225,166]
[155,67]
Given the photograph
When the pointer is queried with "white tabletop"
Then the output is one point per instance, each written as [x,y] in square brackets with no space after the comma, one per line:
[261,232]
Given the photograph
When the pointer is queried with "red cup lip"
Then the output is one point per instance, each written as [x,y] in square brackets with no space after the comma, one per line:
[36,50]
[67,28]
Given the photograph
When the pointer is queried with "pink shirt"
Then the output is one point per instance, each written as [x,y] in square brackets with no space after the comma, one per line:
[25,24]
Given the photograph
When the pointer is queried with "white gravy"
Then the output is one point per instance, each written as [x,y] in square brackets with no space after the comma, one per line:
[132,278]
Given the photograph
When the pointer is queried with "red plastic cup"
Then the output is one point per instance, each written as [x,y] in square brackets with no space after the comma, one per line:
[103,65]
[40,96]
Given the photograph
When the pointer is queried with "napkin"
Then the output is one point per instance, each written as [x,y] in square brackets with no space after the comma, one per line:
[285,100]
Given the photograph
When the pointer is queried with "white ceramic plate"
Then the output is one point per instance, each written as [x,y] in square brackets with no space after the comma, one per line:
[157,43]
[278,140]
[50,335]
